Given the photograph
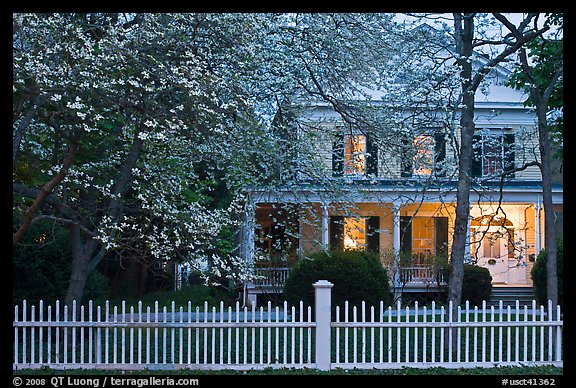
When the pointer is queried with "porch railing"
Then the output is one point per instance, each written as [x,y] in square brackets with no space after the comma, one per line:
[271,276]
[421,274]
[275,277]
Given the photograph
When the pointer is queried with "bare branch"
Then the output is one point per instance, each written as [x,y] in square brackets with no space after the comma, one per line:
[45,192]
[64,221]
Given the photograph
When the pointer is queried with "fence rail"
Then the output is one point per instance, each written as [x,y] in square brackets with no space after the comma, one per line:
[235,337]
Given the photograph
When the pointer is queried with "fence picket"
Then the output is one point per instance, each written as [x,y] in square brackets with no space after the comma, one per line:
[424,331]
[181,338]
[517,333]
[65,335]
[416,332]
[300,350]
[90,333]
[346,344]
[433,332]
[115,341]
[269,333]
[229,355]
[132,335]
[81,334]
[221,358]
[550,338]
[24,341]
[32,339]
[41,333]
[558,336]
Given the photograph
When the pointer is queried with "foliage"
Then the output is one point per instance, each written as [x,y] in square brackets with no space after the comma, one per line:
[539,276]
[476,284]
[357,276]
[196,294]
[546,57]
[41,268]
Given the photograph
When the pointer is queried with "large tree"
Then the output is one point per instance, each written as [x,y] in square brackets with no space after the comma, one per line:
[540,73]
[113,118]
[467,44]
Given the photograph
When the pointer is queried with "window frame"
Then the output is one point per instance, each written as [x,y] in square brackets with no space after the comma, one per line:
[507,157]
[438,146]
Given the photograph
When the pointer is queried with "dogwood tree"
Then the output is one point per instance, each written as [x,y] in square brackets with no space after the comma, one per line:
[113,117]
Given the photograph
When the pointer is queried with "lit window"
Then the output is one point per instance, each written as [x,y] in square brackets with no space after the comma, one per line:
[354,233]
[423,155]
[422,237]
[354,154]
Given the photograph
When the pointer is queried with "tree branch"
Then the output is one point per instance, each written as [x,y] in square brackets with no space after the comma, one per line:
[45,192]
[64,221]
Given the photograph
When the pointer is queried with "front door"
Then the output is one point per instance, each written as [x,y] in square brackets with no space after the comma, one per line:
[492,252]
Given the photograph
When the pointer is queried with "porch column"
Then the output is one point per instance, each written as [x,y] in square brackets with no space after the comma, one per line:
[467,257]
[248,231]
[397,246]
[538,234]
[324,226]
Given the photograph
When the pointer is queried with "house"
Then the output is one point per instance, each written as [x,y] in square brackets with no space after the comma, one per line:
[393,191]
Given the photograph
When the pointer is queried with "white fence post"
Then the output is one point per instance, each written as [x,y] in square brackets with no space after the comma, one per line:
[323,302]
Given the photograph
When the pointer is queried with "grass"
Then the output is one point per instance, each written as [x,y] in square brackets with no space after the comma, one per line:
[506,371]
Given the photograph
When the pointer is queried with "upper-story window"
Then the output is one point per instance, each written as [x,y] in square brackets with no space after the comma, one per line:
[423,161]
[424,155]
[354,155]
[493,153]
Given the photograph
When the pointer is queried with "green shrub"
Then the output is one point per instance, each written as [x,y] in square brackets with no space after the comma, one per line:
[357,276]
[42,267]
[538,274]
[476,284]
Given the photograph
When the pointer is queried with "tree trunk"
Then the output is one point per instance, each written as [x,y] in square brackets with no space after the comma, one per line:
[82,252]
[464,28]
[550,228]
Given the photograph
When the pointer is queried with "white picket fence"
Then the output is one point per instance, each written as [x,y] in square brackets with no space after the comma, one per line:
[96,337]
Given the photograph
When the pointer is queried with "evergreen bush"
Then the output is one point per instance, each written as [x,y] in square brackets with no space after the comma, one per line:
[357,276]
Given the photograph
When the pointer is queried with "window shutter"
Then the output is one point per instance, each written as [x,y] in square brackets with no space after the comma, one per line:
[441,236]
[406,162]
[373,234]
[477,156]
[338,155]
[372,157]
[405,234]
[509,153]
[439,154]
[336,233]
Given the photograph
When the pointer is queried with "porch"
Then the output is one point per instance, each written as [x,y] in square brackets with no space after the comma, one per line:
[417,278]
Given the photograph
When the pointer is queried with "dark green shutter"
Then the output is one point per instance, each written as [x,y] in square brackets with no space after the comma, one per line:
[439,154]
[373,234]
[405,234]
[372,156]
[336,233]
[509,153]
[477,156]
[406,161]
[441,236]
[338,155]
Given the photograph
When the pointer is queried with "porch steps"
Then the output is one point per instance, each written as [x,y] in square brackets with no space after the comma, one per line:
[509,296]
